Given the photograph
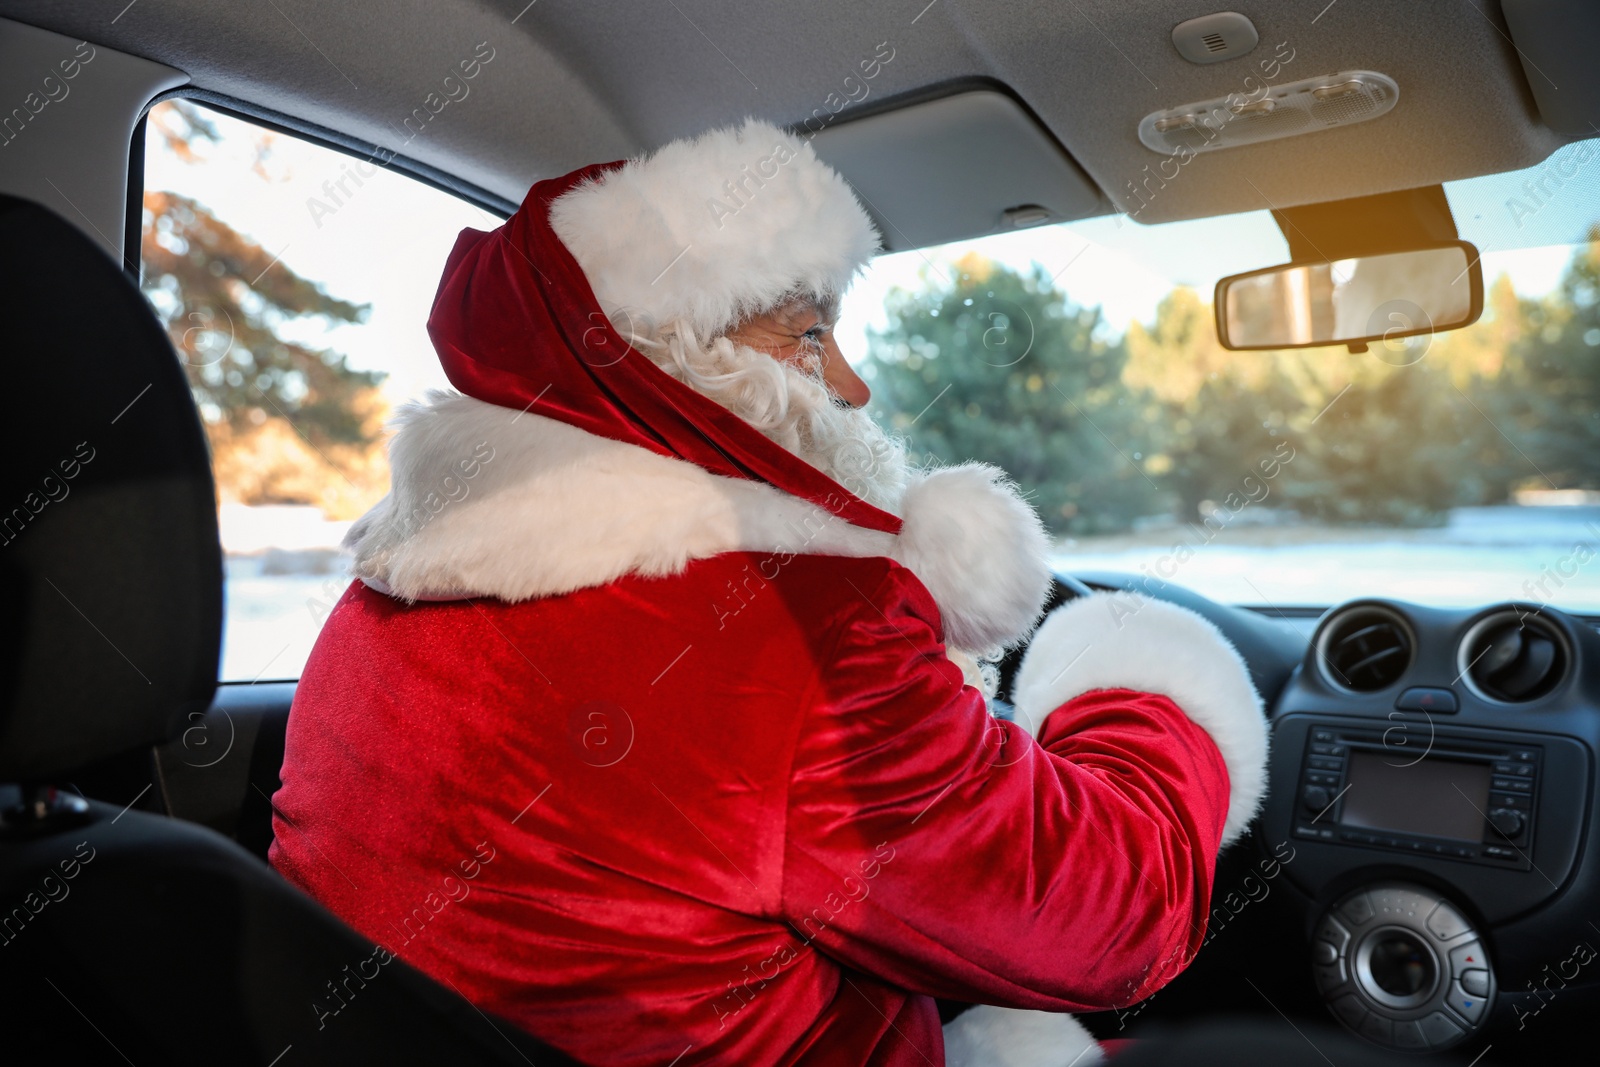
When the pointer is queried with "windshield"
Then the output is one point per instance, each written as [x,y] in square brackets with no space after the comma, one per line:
[1458,469]
[1081,358]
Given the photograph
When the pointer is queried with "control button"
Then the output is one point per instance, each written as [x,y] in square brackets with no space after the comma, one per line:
[1499,852]
[1331,977]
[1438,1030]
[1407,1034]
[1334,933]
[1507,822]
[1525,755]
[1327,750]
[1463,852]
[1326,763]
[1322,778]
[1316,798]
[1314,833]
[1446,922]
[1322,735]
[1475,981]
[1514,801]
[1514,770]
[1470,1005]
[1377,1027]
[1512,785]
[1323,954]
[1466,957]
[1349,1010]
[1424,698]
[1358,909]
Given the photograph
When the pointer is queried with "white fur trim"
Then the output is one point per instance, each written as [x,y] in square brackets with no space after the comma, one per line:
[714,229]
[986,1036]
[1128,641]
[550,508]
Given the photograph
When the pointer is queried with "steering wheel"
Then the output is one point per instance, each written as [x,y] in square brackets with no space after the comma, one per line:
[1062,589]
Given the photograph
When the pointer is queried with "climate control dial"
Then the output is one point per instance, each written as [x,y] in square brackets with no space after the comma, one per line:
[1401,966]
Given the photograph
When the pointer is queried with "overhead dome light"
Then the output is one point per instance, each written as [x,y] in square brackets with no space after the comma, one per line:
[1319,103]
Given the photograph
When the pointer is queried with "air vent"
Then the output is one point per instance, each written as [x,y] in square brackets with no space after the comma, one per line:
[1513,657]
[1364,649]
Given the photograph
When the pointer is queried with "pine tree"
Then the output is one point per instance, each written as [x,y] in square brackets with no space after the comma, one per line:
[994,365]
[288,421]
[1552,407]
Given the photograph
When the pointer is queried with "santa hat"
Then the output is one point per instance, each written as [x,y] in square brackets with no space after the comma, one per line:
[517,321]
[711,230]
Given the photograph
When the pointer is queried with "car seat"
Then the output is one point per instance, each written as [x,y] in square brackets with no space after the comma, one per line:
[126,935]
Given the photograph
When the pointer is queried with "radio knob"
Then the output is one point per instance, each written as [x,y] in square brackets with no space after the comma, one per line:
[1506,821]
[1315,798]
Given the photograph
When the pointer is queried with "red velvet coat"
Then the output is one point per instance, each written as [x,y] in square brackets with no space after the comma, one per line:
[738,806]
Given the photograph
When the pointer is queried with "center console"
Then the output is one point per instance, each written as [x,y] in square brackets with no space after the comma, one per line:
[1413,852]
[1433,771]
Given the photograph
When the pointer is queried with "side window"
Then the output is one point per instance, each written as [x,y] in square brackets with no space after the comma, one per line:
[295,283]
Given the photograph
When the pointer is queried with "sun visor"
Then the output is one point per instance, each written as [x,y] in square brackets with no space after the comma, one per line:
[1556,40]
[961,166]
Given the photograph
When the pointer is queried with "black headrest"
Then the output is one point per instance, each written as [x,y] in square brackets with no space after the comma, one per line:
[110,567]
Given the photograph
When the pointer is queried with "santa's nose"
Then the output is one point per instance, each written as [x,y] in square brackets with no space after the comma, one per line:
[842,378]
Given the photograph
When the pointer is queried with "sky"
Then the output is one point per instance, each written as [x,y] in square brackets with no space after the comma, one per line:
[385,240]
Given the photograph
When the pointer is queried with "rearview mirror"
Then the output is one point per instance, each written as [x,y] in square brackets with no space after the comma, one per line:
[1351,301]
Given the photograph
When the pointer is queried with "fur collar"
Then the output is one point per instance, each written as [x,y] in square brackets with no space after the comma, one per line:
[487,501]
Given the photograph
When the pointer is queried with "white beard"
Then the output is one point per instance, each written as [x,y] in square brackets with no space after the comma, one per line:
[842,442]
[794,408]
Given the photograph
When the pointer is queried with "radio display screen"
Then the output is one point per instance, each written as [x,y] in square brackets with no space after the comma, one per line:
[1431,797]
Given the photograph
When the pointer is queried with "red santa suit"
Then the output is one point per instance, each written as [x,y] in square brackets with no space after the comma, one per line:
[641,732]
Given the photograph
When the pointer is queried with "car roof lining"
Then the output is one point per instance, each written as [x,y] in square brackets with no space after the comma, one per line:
[571,84]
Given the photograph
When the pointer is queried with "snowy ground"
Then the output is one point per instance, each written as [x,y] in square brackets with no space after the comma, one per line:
[278,596]
[1481,556]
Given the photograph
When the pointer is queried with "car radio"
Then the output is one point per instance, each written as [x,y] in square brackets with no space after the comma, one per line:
[1457,798]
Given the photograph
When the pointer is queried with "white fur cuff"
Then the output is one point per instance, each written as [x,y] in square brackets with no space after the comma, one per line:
[1129,641]
[986,1036]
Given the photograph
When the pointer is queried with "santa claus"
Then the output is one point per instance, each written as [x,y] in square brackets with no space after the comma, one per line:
[653,721]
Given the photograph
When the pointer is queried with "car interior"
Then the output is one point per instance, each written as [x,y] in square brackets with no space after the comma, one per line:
[1424,879]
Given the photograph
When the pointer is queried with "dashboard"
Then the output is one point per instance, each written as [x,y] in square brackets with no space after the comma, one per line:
[1431,782]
